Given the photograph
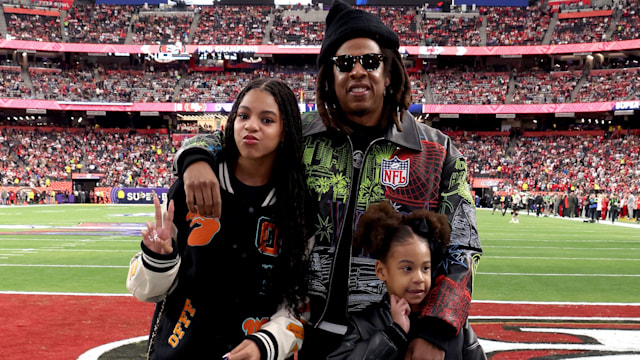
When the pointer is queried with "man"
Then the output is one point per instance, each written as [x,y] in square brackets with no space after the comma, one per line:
[4,196]
[497,203]
[631,205]
[363,147]
[538,202]
[507,204]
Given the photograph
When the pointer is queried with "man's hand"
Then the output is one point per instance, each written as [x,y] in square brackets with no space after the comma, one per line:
[421,349]
[202,189]
[247,350]
[157,237]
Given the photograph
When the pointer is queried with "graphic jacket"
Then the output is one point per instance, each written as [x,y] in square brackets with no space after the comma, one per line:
[216,289]
[418,167]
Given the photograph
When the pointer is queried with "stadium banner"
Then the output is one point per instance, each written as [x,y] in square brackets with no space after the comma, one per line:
[130,2]
[120,195]
[486,183]
[421,51]
[523,3]
[416,108]
[519,108]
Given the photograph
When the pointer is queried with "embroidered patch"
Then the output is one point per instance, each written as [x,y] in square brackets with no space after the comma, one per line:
[395,172]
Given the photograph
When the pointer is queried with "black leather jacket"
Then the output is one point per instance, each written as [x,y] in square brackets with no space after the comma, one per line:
[373,335]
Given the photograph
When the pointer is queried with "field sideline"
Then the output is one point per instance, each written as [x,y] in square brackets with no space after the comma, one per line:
[540,271]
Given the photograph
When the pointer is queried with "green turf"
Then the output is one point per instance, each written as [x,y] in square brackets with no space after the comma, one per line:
[539,259]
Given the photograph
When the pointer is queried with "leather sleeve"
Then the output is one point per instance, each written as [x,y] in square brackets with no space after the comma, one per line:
[447,304]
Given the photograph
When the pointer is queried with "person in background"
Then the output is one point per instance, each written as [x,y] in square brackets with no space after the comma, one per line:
[233,286]
[497,204]
[361,147]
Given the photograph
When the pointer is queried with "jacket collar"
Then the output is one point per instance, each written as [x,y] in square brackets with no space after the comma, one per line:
[407,138]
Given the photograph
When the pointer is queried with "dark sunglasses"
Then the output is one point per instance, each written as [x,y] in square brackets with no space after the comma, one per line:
[369,62]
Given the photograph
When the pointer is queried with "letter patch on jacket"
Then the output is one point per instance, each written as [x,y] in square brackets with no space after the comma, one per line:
[395,172]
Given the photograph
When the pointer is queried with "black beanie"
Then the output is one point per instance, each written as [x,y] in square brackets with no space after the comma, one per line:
[345,23]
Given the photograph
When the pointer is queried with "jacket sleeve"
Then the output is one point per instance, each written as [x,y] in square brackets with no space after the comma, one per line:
[151,275]
[379,344]
[282,336]
[197,148]
[447,304]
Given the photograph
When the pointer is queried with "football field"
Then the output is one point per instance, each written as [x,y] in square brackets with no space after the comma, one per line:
[86,249]
[74,254]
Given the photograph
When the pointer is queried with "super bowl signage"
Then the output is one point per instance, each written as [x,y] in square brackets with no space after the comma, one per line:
[627,105]
[137,195]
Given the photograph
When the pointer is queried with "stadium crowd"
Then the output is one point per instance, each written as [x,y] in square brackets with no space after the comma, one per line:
[236,24]
[35,158]
[231,25]
[540,164]
[456,85]
[556,163]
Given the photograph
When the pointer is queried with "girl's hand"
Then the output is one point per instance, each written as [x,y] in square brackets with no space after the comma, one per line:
[157,237]
[400,310]
[247,350]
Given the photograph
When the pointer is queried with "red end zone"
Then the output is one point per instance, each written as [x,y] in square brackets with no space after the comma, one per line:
[66,326]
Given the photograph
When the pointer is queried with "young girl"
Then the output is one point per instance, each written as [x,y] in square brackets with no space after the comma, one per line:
[230,287]
[405,247]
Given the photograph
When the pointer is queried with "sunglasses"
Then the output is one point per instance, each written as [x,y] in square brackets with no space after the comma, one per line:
[369,62]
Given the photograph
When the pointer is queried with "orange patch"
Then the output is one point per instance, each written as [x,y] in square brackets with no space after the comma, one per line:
[252,325]
[203,229]
[298,331]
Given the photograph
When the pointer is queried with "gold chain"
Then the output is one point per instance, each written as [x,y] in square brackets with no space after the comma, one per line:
[155,329]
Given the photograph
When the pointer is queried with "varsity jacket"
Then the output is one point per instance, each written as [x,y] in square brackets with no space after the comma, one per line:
[415,168]
[373,335]
[216,288]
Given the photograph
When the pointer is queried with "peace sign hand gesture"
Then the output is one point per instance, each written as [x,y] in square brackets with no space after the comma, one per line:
[157,237]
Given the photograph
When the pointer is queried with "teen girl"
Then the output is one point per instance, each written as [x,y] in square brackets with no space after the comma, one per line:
[231,287]
[405,247]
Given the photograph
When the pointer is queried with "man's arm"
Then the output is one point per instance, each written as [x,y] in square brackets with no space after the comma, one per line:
[447,305]
[194,164]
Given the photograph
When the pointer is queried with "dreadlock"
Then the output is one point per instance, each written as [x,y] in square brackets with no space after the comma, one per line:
[288,178]
[396,100]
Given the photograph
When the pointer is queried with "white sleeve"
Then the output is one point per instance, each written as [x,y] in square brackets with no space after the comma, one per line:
[150,278]
[283,335]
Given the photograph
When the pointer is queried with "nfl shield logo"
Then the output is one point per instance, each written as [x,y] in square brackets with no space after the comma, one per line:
[395,172]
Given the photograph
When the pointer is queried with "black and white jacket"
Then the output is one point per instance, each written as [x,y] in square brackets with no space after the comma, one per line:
[216,288]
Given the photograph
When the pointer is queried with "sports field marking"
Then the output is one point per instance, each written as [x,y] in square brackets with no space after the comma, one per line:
[535,274]
[552,318]
[62,293]
[95,353]
[66,266]
[33,251]
[554,248]
[107,238]
[484,238]
[556,258]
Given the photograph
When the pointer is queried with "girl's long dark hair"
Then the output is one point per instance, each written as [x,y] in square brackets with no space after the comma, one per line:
[288,178]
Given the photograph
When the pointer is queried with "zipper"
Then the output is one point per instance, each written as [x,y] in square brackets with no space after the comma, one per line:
[333,264]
